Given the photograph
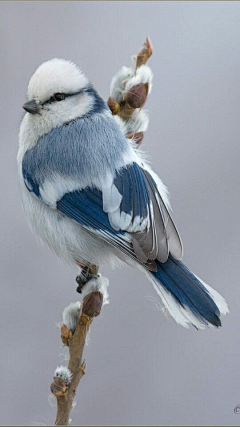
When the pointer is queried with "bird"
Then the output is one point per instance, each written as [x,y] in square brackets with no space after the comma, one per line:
[92,198]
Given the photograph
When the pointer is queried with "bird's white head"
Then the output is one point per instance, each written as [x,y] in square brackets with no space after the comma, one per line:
[57,92]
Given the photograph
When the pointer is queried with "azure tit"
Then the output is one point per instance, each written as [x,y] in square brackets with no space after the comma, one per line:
[91,197]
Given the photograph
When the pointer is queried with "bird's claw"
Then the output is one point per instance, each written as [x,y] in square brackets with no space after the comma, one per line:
[81,282]
[83,278]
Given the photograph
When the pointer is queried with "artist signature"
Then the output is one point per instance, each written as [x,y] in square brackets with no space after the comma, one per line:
[237,409]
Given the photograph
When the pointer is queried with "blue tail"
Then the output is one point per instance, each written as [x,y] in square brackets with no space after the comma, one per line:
[187,291]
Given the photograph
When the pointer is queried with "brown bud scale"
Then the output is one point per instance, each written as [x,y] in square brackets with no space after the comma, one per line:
[113,105]
[92,304]
[66,334]
[137,136]
[137,95]
[144,53]
[58,386]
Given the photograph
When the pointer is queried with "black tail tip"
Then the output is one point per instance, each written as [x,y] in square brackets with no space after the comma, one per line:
[217,322]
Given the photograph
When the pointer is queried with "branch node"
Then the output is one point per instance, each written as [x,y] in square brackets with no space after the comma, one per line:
[83,366]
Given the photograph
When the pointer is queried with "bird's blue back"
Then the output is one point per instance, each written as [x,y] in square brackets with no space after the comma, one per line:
[87,146]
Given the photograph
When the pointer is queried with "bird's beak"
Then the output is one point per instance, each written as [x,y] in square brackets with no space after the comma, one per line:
[31,107]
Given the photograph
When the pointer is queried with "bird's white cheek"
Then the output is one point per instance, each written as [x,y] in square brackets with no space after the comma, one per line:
[58,113]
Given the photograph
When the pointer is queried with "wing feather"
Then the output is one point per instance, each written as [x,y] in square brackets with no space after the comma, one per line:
[173,237]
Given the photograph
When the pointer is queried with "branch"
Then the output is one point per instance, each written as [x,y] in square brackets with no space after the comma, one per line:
[128,94]
[77,320]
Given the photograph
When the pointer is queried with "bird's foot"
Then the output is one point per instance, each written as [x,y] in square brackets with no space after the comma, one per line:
[83,278]
[80,283]
[88,272]
[95,284]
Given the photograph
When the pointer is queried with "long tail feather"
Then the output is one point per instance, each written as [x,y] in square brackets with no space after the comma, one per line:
[187,298]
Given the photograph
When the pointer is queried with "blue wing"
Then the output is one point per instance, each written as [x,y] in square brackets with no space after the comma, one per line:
[86,207]
[129,214]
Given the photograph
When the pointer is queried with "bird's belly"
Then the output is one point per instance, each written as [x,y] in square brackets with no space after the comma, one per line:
[65,237]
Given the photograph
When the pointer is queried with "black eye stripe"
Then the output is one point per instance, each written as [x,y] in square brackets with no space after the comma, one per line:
[64,95]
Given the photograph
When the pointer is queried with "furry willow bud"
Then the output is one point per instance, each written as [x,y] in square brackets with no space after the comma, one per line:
[71,315]
[128,93]
[64,373]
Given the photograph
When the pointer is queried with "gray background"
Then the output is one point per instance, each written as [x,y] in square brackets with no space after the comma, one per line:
[141,367]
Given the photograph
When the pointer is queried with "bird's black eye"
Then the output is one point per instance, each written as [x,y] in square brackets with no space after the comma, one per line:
[59,96]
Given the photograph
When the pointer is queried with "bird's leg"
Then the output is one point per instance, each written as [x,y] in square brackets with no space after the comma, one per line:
[83,278]
[88,272]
